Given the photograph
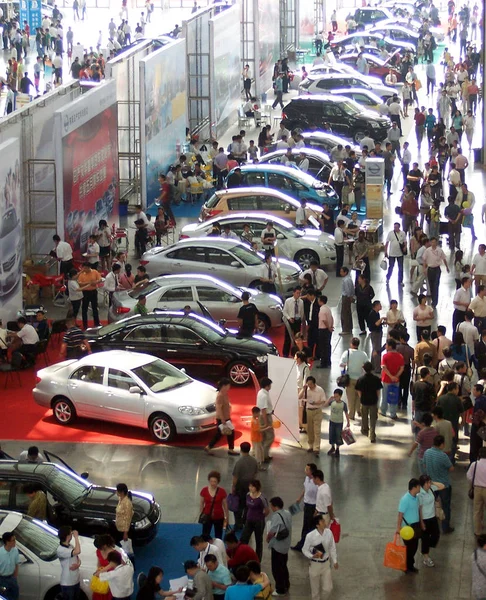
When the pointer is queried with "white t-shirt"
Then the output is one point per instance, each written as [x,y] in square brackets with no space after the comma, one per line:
[354,364]
[94,250]
[480,262]
[319,277]
[64,251]
[300,216]
[28,335]
[66,558]
[324,498]
[470,333]
[263,400]
[394,242]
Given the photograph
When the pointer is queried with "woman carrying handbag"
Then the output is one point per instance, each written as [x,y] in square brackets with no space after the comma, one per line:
[213,507]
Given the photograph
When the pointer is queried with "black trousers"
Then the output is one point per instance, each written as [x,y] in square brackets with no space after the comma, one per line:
[412,546]
[324,347]
[218,528]
[312,339]
[405,386]
[280,571]
[76,304]
[256,527]
[295,327]
[218,435]
[433,275]
[90,297]
[458,316]
[363,312]
[307,524]
[65,266]
[339,259]
[431,535]
[141,241]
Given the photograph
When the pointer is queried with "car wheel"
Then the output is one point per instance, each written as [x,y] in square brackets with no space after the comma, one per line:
[239,373]
[358,136]
[304,258]
[263,324]
[64,411]
[162,428]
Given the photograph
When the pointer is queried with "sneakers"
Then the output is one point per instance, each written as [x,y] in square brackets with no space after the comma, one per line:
[428,562]
[331,450]
[275,593]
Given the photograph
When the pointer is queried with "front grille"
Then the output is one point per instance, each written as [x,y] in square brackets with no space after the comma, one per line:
[8,264]
[210,408]
[154,515]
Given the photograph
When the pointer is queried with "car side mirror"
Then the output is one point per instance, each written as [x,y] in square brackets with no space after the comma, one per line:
[235,264]
[23,560]
[183,370]
[280,236]
[134,389]
[287,209]
[84,475]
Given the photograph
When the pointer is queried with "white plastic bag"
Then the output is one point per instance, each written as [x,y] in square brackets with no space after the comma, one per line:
[384,265]
[127,546]
[351,198]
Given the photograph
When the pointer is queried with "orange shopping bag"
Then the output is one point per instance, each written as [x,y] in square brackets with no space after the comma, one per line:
[395,555]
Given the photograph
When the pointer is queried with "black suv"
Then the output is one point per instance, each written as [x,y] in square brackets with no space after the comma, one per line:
[72,500]
[345,117]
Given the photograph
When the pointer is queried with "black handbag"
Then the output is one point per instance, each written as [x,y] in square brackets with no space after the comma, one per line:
[282,533]
[204,518]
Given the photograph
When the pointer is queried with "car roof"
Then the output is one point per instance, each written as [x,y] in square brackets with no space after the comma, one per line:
[256,190]
[313,152]
[267,167]
[357,91]
[313,97]
[209,241]
[176,316]
[247,216]
[120,358]
[197,277]
[332,76]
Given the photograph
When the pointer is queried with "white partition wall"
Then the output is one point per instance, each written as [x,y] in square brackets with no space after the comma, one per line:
[164,113]
[11,234]
[87,165]
[226,79]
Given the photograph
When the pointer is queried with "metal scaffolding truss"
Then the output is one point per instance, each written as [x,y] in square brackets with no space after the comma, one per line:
[288,26]
[319,15]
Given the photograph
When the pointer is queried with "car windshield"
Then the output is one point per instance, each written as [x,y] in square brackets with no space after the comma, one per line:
[144,289]
[39,539]
[70,487]
[351,107]
[8,224]
[306,83]
[207,329]
[247,256]
[159,376]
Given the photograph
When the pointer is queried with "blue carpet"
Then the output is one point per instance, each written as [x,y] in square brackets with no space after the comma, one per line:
[184,210]
[169,550]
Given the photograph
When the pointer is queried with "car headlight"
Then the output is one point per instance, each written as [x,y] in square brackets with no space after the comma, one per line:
[191,410]
[321,193]
[275,307]
[262,359]
[375,125]
[143,523]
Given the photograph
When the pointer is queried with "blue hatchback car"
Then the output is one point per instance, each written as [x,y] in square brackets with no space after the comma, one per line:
[291,181]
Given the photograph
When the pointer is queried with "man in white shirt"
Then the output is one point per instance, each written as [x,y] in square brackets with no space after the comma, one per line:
[282,143]
[25,340]
[268,237]
[352,361]
[478,306]
[264,403]
[282,131]
[319,276]
[294,318]
[469,331]
[64,254]
[461,302]
[406,161]
[478,267]
[323,498]
[93,252]
[320,548]
[119,577]
[314,398]
[394,245]
[367,141]
[308,495]
[300,216]
[68,556]
[31,455]
[432,259]
[112,283]
[228,234]
[204,548]
[339,245]
[303,162]
[268,275]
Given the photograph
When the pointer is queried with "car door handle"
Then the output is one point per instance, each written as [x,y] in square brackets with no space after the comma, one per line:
[109,393]
[73,386]
[211,268]
[169,350]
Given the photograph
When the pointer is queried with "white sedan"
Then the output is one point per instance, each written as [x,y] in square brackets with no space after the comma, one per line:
[39,569]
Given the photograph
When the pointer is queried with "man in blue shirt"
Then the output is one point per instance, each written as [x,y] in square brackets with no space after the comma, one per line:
[438,466]
[242,590]
[219,575]
[408,514]
[9,566]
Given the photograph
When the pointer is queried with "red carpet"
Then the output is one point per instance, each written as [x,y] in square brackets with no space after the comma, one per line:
[23,419]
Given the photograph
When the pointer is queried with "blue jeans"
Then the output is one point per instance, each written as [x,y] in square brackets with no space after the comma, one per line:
[445,497]
[70,592]
[391,264]
[11,587]
[384,403]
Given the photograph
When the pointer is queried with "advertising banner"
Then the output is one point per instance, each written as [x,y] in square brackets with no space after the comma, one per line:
[268,46]
[163,120]
[89,176]
[11,237]
[30,11]
[226,80]
[284,398]
[374,173]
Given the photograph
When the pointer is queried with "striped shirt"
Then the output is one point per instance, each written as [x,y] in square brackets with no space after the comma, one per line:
[73,338]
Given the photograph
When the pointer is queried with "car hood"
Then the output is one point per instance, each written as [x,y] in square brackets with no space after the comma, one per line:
[256,345]
[100,498]
[196,393]
[262,298]
[315,235]
[371,115]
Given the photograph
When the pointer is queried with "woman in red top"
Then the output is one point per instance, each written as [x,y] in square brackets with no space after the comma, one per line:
[213,506]
[104,544]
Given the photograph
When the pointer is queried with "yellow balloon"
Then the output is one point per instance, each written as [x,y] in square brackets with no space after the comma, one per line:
[276,424]
[406,532]
[466,204]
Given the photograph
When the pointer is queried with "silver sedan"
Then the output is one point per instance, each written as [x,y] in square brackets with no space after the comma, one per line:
[130,388]
[300,245]
[223,301]
[229,259]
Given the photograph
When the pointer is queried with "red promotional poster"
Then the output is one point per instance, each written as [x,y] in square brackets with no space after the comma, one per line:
[90,178]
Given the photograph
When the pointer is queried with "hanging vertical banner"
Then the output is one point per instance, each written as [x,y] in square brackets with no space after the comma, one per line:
[10,231]
[226,81]
[35,15]
[164,114]
[24,11]
[88,153]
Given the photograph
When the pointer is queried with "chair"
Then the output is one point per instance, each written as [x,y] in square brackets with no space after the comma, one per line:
[42,350]
[243,120]
[57,330]
[196,191]
[8,370]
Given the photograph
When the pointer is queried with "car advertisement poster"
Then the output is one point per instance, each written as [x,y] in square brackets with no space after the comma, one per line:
[163,102]
[89,172]
[11,241]
[226,76]
[268,40]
